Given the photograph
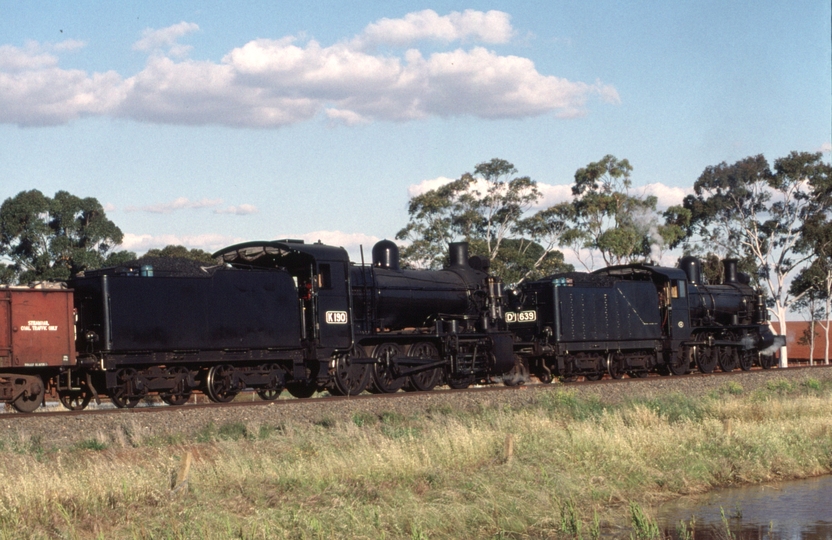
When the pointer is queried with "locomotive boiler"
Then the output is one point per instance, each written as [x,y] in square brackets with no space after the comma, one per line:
[422,326]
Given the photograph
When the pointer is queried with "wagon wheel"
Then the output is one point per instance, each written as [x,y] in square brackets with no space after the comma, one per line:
[123,395]
[679,361]
[706,359]
[76,400]
[615,366]
[219,384]
[728,359]
[350,379]
[518,374]
[384,381]
[29,401]
[182,392]
[428,379]
[272,392]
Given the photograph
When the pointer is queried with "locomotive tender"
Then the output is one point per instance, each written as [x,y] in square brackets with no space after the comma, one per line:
[288,315]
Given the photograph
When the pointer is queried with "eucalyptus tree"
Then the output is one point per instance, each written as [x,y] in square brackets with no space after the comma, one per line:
[43,238]
[606,219]
[486,208]
[748,210]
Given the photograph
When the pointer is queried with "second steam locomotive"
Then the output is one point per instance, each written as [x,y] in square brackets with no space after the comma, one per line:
[288,315]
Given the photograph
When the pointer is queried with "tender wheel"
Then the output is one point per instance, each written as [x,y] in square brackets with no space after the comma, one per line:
[384,382]
[424,380]
[124,396]
[615,366]
[182,393]
[679,361]
[350,379]
[272,392]
[76,400]
[219,384]
[728,359]
[706,359]
[641,374]
[593,376]
[31,400]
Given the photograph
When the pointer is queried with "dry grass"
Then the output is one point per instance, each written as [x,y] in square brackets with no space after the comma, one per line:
[439,474]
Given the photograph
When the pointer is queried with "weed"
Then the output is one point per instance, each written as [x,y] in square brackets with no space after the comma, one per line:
[780,386]
[364,418]
[326,422]
[91,444]
[812,384]
[392,418]
[675,407]
[686,531]
[570,523]
[644,527]
[732,387]
[728,534]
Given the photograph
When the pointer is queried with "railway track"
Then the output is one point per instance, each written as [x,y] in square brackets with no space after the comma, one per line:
[54,409]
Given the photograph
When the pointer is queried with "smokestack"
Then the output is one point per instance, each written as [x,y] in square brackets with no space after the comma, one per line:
[730,271]
[458,254]
[692,268]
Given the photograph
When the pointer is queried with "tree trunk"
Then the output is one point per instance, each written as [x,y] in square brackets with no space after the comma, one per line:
[784,352]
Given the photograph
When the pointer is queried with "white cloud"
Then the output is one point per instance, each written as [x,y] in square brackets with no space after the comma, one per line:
[552,194]
[488,27]
[352,242]
[241,210]
[826,147]
[667,195]
[180,203]
[140,243]
[424,186]
[155,40]
[278,82]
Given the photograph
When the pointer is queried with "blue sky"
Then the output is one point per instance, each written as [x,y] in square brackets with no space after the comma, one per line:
[208,123]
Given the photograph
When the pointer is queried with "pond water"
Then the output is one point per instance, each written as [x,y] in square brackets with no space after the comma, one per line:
[800,509]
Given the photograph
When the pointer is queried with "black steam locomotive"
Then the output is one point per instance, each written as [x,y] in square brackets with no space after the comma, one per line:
[639,318]
[288,315]
[285,314]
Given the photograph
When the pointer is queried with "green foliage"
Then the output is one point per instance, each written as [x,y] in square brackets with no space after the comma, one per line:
[91,444]
[181,252]
[53,238]
[485,208]
[606,218]
[767,217]
[644,528]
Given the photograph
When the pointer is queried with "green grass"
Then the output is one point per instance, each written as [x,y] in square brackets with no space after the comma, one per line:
[578,465]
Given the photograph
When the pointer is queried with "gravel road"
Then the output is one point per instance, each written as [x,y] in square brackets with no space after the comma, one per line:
[121,428]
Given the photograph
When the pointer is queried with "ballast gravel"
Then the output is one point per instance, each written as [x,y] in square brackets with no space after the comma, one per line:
[185,424]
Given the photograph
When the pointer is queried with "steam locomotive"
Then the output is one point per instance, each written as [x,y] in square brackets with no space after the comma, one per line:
[289,315]
[639,318]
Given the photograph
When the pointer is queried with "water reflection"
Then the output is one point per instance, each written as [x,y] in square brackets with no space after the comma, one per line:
[800,509]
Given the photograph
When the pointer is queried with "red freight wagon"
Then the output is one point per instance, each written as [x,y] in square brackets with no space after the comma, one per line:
[37,332]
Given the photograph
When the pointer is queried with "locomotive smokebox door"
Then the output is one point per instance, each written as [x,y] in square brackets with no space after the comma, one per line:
[335,326]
